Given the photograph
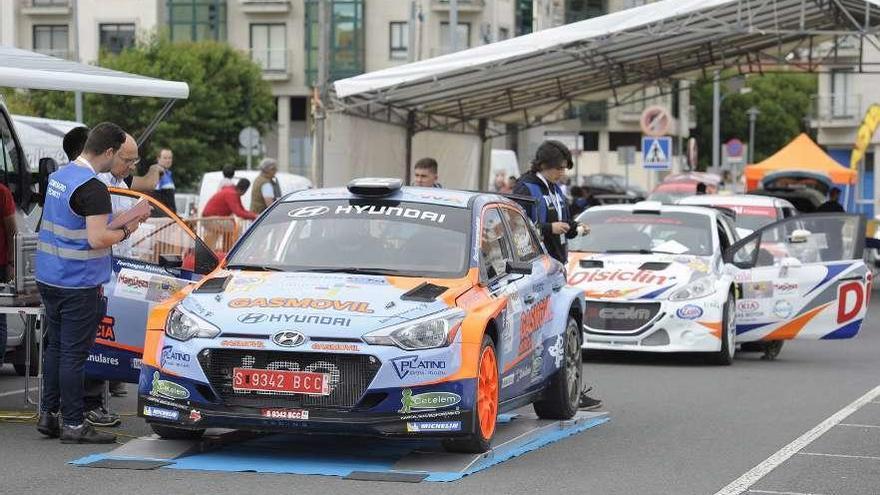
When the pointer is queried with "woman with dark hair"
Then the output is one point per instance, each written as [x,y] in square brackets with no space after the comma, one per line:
[549,210]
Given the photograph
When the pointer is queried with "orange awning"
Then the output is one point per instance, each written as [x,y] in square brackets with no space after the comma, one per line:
[800,155]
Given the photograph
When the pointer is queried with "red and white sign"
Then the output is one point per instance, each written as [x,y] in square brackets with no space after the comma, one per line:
[655,121]
[297,382]
[285,413]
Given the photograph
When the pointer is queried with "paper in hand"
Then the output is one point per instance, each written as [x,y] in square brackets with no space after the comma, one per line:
[141,209]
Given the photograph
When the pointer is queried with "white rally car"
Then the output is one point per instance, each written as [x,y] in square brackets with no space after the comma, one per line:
[661,278]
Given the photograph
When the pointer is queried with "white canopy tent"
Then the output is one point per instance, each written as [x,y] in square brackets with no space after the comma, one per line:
[30,70]
[529,80]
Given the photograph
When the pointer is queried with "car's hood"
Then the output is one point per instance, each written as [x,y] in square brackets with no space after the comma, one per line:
[633,276]
[315,304]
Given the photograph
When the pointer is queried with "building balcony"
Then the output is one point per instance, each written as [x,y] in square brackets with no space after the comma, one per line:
[46,8]
[837,110]
[265,6]
[463,5]
[274,62]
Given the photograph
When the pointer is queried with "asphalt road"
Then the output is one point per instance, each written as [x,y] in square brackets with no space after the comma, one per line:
[678,427]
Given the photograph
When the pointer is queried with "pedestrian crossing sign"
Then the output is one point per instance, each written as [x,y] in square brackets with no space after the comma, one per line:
[657,153]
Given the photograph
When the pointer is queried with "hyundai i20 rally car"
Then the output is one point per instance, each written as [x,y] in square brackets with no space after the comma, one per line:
[662,278]
[372,309]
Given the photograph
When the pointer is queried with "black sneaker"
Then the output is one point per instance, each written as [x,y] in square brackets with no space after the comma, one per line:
[48,425]
[84,433]
[587,403]
[117,389]
[101,417]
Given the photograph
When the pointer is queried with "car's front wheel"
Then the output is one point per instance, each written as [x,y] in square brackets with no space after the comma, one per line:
[562,396]
[724,357]
[172,433]
[485,405]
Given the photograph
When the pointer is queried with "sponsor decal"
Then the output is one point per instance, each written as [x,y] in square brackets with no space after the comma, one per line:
[161,288]
[100,358]
[289,338]
[537,361]
[105,329]
[610,293]
[303,303]
[164,388]
[402,314]
[427,400]
[245,283]
[619,313]
[557,350]
[432,415]
[285,413]
[136,363]
[158,412]
[321,346]
[743,276]
[308,211]
[757,290]
[413,365]
[850,300]
[698,265]
[508,380]
[689,312]
[132,285]
[532,319]
[429,426]
[786,288]
[257,344]
[159,400]
[748,305]
[195,416]
[391,211]
[782,309]
[253,318]
[638,276]
[177,359]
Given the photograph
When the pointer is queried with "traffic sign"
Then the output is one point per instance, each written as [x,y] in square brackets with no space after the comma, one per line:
[657,152]
[735,148]
[655,121]
[249,137]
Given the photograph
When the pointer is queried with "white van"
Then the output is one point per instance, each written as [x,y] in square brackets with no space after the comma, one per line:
[502,161]
[211,184]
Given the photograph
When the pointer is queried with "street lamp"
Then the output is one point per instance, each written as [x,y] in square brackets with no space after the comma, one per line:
[753,116]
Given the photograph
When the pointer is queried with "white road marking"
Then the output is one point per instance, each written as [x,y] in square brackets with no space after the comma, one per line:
[14,392]
[782,493]
[751,477]
[845,456]
[859,426]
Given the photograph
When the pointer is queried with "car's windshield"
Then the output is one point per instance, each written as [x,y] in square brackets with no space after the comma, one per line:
[376,236]
[617,231]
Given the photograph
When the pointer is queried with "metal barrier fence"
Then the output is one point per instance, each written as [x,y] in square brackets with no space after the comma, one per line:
[219,233]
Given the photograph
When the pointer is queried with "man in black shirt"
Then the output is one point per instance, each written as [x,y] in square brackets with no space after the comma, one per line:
[831,206]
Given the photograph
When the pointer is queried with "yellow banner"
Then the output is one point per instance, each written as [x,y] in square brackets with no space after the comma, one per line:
[864,135]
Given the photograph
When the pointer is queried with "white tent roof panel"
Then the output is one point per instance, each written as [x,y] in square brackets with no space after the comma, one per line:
[579,62]
[30,70]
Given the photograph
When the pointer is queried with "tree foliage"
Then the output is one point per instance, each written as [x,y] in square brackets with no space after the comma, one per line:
[227,93]
[784,101]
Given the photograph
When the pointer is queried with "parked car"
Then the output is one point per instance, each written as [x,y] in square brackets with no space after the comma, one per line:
[373,309]
[678,186]
[613,185]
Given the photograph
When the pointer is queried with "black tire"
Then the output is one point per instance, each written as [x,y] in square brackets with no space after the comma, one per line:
[724,357]
[772,349]
[752,347]
[172,433]
[562,397]
[475,442]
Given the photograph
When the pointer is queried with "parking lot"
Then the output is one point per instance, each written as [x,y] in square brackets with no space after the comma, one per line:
[678,426]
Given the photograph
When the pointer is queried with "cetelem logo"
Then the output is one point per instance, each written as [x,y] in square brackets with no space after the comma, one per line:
[428,400]
[629,313]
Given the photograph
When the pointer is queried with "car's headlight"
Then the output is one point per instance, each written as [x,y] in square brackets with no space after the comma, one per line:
[698,288]
[183,325]
[437,330]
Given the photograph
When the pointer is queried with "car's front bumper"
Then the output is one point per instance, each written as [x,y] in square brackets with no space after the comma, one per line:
[678,326]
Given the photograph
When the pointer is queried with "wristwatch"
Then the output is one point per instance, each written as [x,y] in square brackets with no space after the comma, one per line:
[126,233]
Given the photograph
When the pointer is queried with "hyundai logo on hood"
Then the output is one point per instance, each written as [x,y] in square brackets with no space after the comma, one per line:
[289,338]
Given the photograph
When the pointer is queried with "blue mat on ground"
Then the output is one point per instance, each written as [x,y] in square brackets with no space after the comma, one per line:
[341,456]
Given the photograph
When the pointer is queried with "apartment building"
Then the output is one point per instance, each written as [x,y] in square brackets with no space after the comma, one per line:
[843,97]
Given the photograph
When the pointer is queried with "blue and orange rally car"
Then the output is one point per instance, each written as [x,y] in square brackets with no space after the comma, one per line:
[372,309]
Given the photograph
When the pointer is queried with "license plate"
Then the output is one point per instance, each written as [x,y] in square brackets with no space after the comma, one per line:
[296,382]
[285,413]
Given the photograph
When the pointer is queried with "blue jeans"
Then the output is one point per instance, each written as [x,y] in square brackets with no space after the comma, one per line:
[71,327]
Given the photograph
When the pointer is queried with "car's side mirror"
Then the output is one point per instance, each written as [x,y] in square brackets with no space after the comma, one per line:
[799,236]
[519,267]
[170,261]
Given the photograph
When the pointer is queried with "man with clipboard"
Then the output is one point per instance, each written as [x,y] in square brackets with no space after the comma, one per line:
[73,263]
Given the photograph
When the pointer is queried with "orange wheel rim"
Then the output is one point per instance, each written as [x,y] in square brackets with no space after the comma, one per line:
[487,393]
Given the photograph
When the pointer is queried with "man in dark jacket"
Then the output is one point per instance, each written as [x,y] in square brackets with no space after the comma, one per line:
[549,210]
[832,205]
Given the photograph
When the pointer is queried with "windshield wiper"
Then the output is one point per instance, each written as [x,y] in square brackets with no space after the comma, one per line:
[629,251]
[255,268]
[357,271]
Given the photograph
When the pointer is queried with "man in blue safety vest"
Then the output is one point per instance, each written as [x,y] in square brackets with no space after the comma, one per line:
[73,262]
